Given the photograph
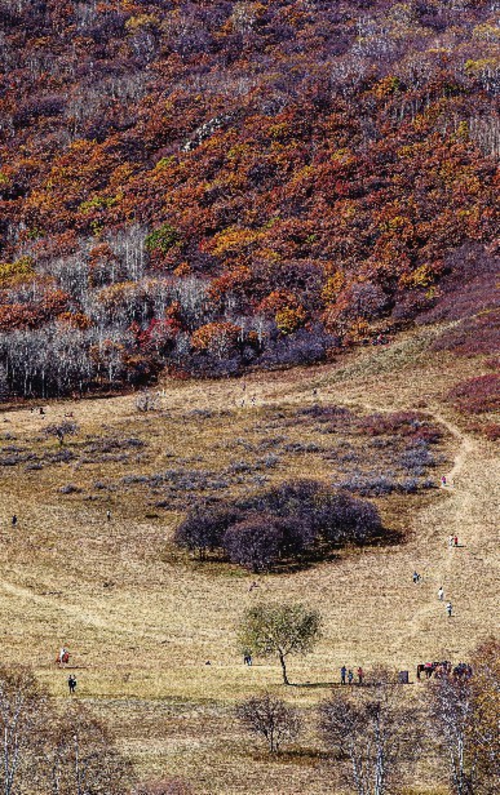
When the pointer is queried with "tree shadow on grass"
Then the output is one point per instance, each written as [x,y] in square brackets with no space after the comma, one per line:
[312,685]
[301,756]
[332,554]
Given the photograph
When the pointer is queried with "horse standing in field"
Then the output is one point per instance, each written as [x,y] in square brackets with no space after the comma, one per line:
[63,659]
[437,669]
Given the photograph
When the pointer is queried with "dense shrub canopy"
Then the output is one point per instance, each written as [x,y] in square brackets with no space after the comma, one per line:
[286,523]
[211,186]
[204,527]
[255,543]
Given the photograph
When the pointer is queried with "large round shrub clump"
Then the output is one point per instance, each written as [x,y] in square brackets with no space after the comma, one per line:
[294,521]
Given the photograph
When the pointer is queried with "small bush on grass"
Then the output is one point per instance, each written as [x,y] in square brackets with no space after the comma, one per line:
[61,430]
[70,488]
[271,719]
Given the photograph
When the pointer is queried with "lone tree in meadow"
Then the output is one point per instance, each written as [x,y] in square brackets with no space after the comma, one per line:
[280,629]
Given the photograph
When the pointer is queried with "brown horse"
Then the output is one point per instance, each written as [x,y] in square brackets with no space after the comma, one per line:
[434,668]
[64,660]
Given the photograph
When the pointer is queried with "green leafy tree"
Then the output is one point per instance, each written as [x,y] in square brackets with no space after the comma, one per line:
[279,629]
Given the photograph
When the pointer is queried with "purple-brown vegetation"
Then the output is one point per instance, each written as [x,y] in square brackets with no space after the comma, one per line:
[209,187]
[477,395]
[291,522]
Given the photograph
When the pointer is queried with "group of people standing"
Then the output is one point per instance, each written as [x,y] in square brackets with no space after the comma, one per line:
[347,675]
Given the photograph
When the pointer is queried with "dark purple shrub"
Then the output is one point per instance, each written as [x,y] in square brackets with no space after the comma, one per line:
[204,528]
[254,543]
[290,498]
[299,534]
[492,431]
[349,520]
[473,336]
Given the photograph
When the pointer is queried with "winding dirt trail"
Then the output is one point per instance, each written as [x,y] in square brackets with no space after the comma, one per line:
[466,445]
[469,573]
[469,509]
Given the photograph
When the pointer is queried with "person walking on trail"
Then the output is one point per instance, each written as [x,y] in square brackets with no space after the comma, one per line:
[72,684]
[63,655]
[441,593]
[14,520]
[443,480]
[350,677]
[450,541]
[343,672]
[360,674]
[416,577]
[449,609]
[108,515]
[455,541]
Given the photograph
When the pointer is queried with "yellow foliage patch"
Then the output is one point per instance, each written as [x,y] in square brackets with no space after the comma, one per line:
[12,273]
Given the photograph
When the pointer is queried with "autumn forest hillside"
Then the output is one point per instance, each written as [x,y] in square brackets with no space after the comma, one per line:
[212,186]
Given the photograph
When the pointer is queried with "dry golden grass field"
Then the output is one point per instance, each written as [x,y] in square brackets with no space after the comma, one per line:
[141,618]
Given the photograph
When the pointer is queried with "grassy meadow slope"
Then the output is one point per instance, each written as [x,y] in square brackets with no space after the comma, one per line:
[142,619]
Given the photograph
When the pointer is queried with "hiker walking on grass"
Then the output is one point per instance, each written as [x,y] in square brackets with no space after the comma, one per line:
[350,677]
[416,577]
[449,609]
[14,520]
[72,684]
[440,593]
[343,672]
[443,480]
[361,674]
[455,541]
[108,515]
[450,541]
